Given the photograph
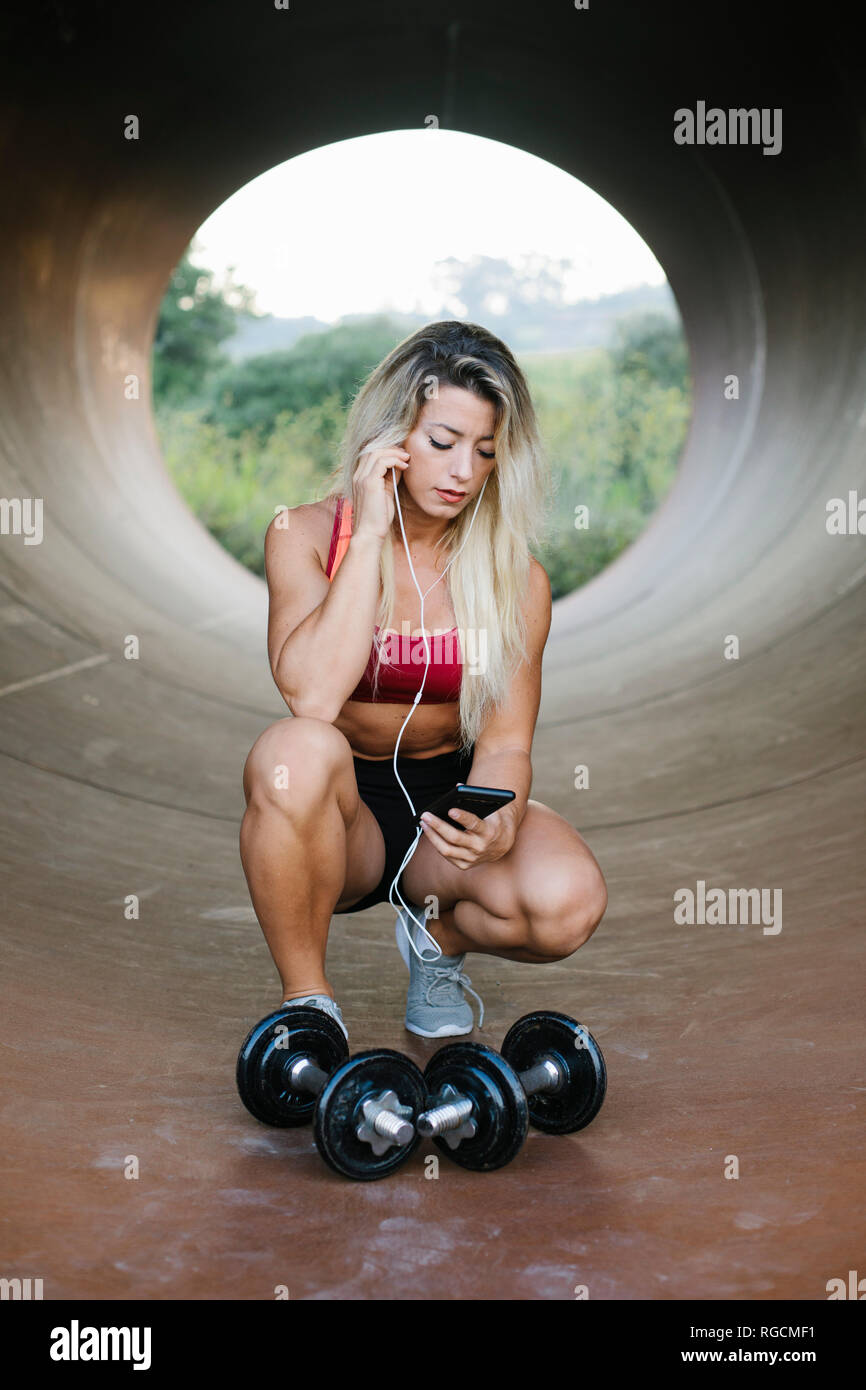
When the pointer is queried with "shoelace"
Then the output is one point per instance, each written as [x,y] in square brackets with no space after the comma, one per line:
[453,975]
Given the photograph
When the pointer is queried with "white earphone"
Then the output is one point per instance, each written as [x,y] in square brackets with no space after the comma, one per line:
[411,850]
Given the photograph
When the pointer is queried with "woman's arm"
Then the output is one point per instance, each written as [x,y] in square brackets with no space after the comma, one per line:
[319,633]
[502,750]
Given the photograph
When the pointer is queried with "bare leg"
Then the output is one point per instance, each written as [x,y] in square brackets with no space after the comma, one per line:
[539,903]
[302,841]
[488,935]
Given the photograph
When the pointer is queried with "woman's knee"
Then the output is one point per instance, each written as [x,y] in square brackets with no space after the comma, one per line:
[297,755]
[565,910]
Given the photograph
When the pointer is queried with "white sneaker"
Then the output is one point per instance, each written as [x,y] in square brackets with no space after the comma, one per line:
[436,1006]
[319,1001]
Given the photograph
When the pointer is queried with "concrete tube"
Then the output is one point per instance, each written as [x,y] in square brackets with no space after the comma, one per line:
[124,777]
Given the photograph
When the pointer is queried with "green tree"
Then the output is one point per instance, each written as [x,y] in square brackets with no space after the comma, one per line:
[613,424]
[194,319]
[250,395]
[650,347]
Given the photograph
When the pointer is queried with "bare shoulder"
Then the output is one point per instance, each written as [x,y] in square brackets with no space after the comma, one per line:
[296,558]
[310,522]
[538,577]
[539,600]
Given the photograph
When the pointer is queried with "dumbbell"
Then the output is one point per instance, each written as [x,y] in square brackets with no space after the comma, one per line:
[550,1073]
[294,1066]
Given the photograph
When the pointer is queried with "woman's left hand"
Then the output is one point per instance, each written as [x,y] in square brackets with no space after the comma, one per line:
[481,841]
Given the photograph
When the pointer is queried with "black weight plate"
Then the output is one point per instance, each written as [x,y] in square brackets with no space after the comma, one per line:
[268,1053]
[576,1051]
[499,1110]
[338,1112]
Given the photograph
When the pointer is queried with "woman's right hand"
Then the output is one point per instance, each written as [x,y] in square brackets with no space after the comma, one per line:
[373,504]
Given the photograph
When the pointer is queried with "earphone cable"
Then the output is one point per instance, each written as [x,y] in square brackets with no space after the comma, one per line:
[411,850]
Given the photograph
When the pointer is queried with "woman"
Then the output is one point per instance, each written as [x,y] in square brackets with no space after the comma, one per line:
[447,419]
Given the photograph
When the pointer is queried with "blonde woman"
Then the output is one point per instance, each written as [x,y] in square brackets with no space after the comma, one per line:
[446,420]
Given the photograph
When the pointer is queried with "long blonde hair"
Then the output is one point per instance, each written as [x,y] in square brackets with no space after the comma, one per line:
[488,580]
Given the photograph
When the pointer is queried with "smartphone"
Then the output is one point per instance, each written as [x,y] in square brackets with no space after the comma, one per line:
[481,801]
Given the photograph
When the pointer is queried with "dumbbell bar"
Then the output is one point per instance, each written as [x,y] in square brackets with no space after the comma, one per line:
[561,1067]
[550,1073]
[294,1066]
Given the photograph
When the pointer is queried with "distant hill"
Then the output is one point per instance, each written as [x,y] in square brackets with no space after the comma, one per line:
[269,334]
[587,324]
[542,327]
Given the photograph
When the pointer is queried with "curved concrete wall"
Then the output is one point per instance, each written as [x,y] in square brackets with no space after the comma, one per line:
[123,776]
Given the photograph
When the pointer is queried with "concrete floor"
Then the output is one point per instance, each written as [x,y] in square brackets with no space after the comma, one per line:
[124,777]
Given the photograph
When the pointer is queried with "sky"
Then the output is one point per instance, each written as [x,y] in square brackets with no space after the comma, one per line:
[357,227]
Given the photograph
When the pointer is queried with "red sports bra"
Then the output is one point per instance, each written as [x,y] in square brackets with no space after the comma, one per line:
[400,681]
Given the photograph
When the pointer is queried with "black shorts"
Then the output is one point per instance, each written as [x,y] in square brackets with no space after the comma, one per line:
[424,779]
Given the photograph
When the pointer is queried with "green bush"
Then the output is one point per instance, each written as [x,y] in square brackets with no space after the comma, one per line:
[249,395]
[613,436]
[235,484]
